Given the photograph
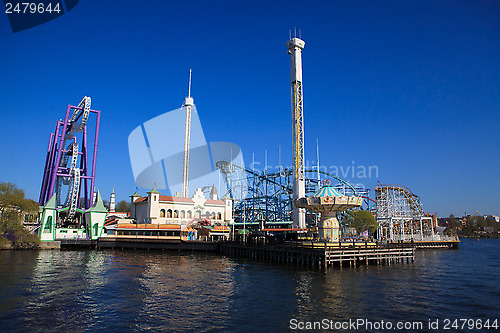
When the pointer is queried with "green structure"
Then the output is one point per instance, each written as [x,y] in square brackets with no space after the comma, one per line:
[87,224]
[328,202]
[48,220]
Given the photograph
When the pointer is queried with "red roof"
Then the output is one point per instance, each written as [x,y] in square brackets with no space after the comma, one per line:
[214,202]
[175,199]
[110,221]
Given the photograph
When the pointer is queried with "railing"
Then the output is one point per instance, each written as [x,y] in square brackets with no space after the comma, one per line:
[432,238]
[317,245]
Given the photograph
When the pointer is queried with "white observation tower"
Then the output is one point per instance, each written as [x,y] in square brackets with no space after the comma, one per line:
[295,47]
[188,105]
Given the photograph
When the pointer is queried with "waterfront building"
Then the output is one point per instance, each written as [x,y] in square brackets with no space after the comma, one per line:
[164,209]
[175,218]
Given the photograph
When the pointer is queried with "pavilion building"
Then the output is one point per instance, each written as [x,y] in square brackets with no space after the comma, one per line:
[163,209]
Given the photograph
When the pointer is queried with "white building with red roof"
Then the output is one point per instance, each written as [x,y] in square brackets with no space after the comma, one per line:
[156,208]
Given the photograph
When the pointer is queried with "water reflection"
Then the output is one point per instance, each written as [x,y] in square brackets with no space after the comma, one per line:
[16,274]
[184,291]
[164,291]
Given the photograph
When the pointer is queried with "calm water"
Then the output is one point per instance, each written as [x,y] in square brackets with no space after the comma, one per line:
[134,291]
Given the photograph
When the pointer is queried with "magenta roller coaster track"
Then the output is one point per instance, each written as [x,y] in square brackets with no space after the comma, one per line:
[61,164]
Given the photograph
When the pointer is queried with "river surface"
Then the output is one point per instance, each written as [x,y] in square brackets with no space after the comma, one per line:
[128,291]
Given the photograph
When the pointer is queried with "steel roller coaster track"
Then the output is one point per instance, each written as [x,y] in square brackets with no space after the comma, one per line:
[69,166]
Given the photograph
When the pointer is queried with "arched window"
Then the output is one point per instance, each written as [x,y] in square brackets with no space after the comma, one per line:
[198,214]
[162,212]
[219,216]
[190,214]
[48,225]
[183,214]
[213,216]
[169,213]
[176,214]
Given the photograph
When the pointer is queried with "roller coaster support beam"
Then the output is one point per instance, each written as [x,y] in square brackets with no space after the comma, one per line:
[94,157]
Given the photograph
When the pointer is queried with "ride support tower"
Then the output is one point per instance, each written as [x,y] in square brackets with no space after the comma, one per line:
[295,47]
[68,157]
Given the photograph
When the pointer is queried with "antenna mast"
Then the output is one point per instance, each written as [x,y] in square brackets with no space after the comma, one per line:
[317,156]
[188,105]
[189,89]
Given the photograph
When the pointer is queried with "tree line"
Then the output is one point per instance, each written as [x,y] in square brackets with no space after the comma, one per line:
[14,209]
[472,226]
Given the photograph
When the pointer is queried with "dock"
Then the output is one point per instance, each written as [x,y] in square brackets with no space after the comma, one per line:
[152,243]
[323,255]
[78,244]
[437,244]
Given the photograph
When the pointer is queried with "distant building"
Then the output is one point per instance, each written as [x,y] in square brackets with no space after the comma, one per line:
[496,218]
[112,203]
[114,217]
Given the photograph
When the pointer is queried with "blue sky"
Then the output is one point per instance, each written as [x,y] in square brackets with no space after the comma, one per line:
[410,87]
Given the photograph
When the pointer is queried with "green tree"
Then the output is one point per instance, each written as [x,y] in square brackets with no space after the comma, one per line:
[453,225]
[14,208]
[123,207]
[13,197]
[481,222]
[362,220]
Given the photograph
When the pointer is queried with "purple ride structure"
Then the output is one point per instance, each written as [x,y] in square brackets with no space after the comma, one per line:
[67,164]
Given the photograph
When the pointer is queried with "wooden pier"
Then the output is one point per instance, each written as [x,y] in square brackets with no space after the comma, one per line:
[156,243]
[77,244]
[438,244]
[324,255]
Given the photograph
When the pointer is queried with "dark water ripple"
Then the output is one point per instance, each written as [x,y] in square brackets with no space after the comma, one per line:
[129,291]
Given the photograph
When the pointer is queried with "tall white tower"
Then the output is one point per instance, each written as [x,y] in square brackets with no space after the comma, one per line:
[295,47]
[188,105]
[112,203]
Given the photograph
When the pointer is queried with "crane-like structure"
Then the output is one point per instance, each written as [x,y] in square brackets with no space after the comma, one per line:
[188,106]
[295,47]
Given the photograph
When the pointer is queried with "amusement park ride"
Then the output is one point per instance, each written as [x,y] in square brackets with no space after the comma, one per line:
[266,198]
[329,202]
[289,197]
[400,215]
[67,171]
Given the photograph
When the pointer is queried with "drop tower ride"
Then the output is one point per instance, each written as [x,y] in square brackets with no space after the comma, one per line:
[295,47]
